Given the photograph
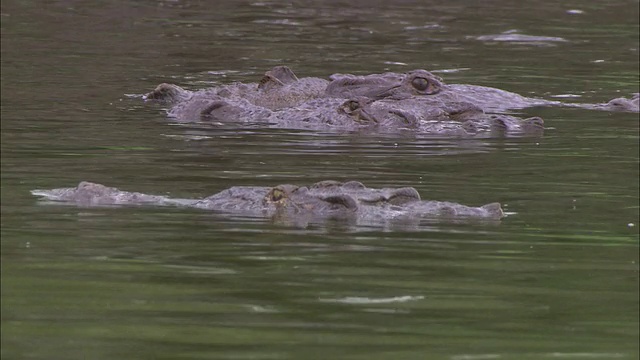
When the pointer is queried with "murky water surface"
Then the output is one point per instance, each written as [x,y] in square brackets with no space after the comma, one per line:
[558,278]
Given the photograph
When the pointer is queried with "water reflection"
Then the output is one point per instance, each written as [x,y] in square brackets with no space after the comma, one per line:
[559,278]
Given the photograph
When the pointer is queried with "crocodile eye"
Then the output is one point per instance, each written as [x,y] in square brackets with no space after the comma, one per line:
[353,105]
[349,107]
[277,195]
[420,84]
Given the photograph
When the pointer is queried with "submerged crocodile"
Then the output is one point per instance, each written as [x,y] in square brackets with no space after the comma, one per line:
[418,101]
[361,113]
[451,118]
[322,200]
[279,88]
[432,91]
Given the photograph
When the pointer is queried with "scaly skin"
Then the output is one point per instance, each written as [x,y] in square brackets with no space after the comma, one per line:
[417,101]
[423,84]
[622,104]
[279,88]
[420,115]
[385,86]
[460,118]
[325,199]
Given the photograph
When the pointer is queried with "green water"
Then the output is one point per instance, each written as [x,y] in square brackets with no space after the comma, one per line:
[557,278]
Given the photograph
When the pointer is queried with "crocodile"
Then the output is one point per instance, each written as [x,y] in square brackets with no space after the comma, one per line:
[434,92]
[357,113]
[621,104]
[279,88]
[322,200]
[466,119]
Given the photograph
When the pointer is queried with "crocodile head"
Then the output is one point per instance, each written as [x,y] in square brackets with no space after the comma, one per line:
[417,82]
[353,113]
[323,200]
[385,114]
[92,194]
[622,104]
[291,199]
[430,115]
[387,85]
